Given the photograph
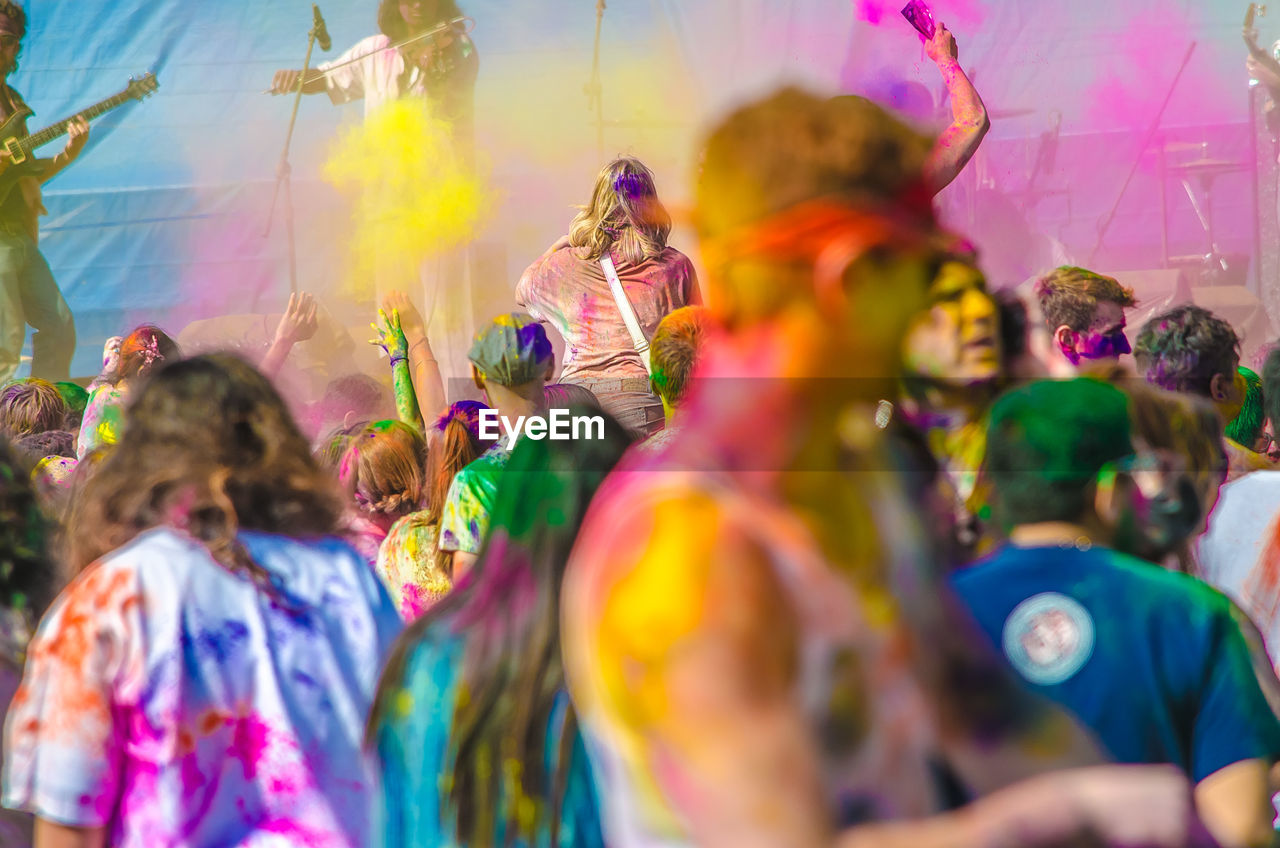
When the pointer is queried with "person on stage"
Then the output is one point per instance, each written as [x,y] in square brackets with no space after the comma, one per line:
[567,288]
[442,68]
[28,292]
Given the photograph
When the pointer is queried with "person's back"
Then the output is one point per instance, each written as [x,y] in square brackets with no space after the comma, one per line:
[205,679]
[567,287]
[571,294]
[214,711]
[1152,661]
[476,738]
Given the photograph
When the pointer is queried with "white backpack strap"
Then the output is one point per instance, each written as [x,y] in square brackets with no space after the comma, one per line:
[628,314]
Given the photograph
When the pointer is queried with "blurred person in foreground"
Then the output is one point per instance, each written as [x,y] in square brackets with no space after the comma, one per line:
[28,582]
[1240,552]
[952,368]
[758,642]
[1189,349]
[1152,661]
[204,679]
[475,736]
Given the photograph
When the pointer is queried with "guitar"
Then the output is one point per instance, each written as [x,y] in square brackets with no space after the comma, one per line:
[21,147]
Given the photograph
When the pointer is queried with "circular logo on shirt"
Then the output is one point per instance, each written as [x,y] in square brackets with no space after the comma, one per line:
[1048,638]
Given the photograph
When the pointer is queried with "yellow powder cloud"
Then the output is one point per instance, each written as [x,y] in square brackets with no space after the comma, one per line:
[414,196]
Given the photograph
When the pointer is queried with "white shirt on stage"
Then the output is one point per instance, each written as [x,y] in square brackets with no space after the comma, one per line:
[375,76]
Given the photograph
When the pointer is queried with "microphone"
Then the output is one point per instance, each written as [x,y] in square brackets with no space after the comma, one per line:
[321,31]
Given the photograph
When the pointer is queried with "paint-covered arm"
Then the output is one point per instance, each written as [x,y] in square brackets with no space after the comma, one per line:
[969,120]
[428,382]
[391,338]
[297,324]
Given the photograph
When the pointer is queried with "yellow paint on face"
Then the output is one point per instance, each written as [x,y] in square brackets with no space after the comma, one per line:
[415,196]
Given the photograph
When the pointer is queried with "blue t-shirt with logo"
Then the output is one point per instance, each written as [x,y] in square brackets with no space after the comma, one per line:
[1150,660]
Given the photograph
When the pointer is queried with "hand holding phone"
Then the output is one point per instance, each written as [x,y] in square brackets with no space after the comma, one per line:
[919,16]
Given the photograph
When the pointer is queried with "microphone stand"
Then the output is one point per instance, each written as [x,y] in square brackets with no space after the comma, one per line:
[284,172]
[594,89]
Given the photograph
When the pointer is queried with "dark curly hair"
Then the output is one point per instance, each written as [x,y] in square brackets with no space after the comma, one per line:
[1182,350]
[208,447]
[15,13]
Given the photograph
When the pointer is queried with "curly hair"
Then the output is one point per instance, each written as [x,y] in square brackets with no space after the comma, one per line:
[15,13]
[624,212]
[210,449]
[31,406]
[1183,349]
[384,469]
[1070,296]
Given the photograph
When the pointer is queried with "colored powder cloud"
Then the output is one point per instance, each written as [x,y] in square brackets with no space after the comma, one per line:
[413,195]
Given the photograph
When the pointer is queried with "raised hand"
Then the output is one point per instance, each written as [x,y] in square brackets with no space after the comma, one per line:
[410,319]
[299,321]
[390,335]
[942,48]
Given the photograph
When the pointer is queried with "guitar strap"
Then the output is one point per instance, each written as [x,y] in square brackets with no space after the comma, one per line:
[628,313]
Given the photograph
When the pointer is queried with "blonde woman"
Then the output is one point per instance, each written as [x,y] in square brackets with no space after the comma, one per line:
[567,288]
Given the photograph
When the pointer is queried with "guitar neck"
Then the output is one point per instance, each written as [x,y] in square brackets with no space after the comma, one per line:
[55,131]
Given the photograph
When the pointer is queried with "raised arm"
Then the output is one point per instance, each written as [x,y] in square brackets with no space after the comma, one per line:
[297,324]
[428,382]
[969,121]
[391,338]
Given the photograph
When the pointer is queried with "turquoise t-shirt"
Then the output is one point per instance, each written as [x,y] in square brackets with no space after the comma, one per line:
[1152,661]
[412,749]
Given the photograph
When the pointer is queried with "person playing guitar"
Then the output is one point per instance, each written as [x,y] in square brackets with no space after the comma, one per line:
[380,68]
[28,292]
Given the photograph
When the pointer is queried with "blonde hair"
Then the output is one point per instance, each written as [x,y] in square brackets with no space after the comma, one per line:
[624,211]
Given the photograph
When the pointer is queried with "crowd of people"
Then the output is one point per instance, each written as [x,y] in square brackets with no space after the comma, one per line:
[869,550]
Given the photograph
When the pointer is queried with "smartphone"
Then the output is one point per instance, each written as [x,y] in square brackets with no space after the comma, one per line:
[919,16]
